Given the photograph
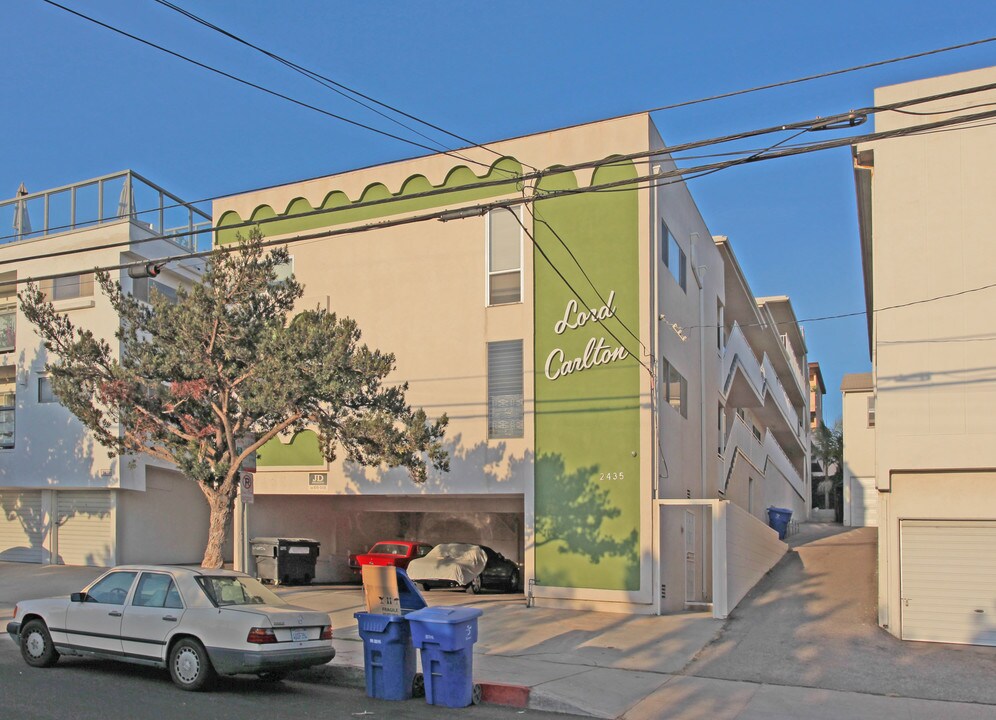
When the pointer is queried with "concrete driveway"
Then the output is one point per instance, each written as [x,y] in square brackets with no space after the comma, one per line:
[812,623]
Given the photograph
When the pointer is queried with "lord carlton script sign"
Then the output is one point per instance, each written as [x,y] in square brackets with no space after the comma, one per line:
[596,351]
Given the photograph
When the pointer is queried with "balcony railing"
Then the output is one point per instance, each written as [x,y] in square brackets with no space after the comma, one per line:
[112,198]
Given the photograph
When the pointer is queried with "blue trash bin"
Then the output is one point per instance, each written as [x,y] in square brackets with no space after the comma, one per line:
[388,654]
[778,519]
[446,636]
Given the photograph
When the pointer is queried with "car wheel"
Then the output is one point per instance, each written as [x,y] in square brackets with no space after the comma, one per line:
[513,582]
[475,585]
[425,587]
[36,645]
[272,677]
[189,665]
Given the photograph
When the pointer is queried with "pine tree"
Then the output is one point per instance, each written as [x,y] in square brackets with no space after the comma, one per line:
[227,360]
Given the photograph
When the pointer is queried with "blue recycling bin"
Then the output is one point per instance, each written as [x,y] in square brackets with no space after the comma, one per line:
[778,519]
[388,654]
[445,637]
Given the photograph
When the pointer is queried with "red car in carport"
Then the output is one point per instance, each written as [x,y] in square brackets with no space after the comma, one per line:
[390,552]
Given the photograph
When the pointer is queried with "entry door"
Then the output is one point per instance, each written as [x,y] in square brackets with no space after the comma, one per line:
[948,581]
[690,576]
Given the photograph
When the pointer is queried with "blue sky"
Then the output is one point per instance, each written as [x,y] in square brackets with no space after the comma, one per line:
[80,102]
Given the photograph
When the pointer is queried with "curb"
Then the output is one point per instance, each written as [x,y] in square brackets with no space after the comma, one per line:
[516,696]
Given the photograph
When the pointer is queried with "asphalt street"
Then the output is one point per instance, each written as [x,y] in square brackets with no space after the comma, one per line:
[84,689]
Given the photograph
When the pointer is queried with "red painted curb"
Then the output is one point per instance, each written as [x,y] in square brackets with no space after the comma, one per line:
[509,695]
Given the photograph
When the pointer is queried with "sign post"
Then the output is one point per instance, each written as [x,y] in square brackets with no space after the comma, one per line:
[246,496]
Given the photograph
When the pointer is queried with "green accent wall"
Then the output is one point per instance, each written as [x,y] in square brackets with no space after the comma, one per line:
[296,219]
[301,451]
[587,385]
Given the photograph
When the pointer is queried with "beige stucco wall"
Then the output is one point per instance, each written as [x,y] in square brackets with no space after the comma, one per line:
[167,523]
[935,378]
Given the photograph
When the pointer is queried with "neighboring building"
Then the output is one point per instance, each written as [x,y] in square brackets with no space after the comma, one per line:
[860,495]
[817,473]
[926,213]
[62,499]
[816,392]
[623,410]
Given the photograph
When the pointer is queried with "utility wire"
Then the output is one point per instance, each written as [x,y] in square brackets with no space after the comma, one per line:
[667,150]
[819,76]
[256,86]
[831,121]
[337,87]
[651,180]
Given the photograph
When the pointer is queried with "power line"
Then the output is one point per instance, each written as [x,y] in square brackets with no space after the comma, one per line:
[667,150]
[819,76]
[337,87]
[251,84]
[652,180]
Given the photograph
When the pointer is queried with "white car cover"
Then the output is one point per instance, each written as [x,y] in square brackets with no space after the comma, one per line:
[451,561]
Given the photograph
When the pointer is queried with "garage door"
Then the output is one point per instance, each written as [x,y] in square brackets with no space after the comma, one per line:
[85,528]
[863,500]
[948,581]
[22,527]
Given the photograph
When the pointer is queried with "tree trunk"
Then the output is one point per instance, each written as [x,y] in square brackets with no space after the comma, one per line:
[221,511]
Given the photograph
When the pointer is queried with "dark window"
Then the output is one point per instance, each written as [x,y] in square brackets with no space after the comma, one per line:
[505,414]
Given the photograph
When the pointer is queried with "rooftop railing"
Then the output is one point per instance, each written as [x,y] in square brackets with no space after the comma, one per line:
[107,199]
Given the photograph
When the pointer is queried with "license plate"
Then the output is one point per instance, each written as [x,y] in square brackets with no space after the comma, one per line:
[299,635]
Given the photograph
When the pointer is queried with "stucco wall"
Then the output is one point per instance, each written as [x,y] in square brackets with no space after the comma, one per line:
[752,548]
[168,523]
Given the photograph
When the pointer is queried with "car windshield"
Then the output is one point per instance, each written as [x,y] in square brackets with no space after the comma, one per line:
[225,590]
[390,549]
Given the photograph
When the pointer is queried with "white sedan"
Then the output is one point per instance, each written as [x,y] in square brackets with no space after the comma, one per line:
[194,621]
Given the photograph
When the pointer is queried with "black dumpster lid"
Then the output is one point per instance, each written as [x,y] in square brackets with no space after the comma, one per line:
[280,540]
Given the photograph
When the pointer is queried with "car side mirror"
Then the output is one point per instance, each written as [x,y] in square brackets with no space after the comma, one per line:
[78,597]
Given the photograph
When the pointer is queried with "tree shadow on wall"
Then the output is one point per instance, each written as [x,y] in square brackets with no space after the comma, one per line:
[56,453]
[581,508]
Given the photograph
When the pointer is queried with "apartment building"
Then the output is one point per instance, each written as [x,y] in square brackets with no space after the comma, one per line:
[63,500]
[622,408]
[925,215]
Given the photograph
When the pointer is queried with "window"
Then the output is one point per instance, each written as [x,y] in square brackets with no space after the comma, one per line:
[722,429]
[45,392]
[143,288]
[504,257]
[284,271]
[871,411]
[67,288]
[156,590]
[8,376]
[720,326]
[674,257]
[675,388]
[8,311]
[757,432]
[505,416]
[111,589]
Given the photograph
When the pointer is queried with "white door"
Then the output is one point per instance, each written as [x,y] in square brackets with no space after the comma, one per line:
[85,529]
[863,502]
[948,581]
[154,611]
[95,623]
[691,594]
[22,526]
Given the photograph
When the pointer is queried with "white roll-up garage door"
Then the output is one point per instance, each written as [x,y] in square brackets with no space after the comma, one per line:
[863,501]
[85,532]
[22,526]
[948,581]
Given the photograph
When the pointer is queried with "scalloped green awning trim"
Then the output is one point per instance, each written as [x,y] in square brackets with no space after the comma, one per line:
[301,451]
[298,217]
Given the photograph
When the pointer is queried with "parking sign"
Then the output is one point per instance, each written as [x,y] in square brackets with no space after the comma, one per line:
[245,488]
